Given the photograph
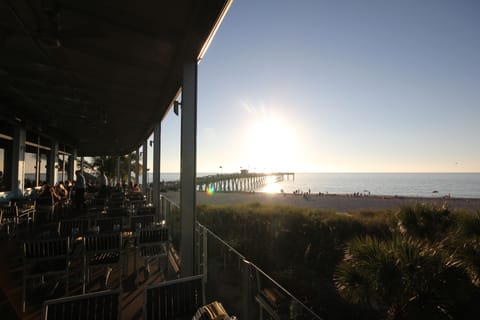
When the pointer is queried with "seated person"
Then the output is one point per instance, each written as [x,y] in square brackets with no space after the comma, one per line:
[136,189]
[59,193]
[60,197]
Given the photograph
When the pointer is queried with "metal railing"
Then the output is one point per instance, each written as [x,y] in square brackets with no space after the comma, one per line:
[244,289]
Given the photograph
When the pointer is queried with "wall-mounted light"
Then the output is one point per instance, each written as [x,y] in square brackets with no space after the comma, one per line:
[176,103]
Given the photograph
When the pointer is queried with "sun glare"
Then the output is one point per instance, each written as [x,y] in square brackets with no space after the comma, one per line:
[271,146]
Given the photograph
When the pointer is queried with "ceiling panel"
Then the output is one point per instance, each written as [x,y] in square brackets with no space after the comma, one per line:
[98,74]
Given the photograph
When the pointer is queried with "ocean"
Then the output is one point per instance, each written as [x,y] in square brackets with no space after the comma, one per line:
[461,185]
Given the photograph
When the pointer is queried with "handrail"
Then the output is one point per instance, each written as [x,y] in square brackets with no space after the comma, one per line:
[171,201]
[243,258]
[283,289]
[230,248]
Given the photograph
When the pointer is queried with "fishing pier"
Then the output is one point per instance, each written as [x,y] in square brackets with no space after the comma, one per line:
[240,182]
[232,182]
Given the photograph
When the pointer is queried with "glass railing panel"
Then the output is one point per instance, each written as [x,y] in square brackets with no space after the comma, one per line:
[171,212]
[244,289]
[223,272]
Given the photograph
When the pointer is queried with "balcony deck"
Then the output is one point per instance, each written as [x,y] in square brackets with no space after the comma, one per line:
[11,280]
[244,289]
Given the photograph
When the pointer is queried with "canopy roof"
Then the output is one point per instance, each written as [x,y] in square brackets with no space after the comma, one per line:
[98,74]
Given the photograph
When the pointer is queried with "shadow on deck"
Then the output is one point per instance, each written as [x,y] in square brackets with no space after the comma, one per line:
[11,274]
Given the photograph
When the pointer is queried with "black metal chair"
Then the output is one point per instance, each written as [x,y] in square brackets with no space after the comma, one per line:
[72,227]
[142,221]
[108,224]
[45,258]
[97,205]
[102,250]
[117,195]
[46,206]
[145,211]
[136,200]
[116,200]
[96,305]
[176,299]
[9,218]
[122,212]
[151,244]
[26,210]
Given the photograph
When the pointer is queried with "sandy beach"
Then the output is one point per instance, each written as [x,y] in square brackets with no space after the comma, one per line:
[338,203]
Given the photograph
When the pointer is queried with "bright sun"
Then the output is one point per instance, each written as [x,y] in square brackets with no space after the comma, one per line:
[271,145]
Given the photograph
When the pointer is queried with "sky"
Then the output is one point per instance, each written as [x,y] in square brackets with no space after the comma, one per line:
[338,86]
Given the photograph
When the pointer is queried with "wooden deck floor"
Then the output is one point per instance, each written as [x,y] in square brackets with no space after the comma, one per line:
[11,270]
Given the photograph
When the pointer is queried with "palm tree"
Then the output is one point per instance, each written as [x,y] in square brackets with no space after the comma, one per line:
[108,164]
[424,221]
[465,242]
[408,278]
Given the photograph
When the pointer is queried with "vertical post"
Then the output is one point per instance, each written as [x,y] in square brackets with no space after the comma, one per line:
[162,209]
[166,206]
[73,165]
[246,291]
[52,170]
[119,177]
[145,166]
[129,168]
[38,163]
[157,135]
[63,166]
[18,161]
[137,165]
[204,256]
[81,164]
[188,166]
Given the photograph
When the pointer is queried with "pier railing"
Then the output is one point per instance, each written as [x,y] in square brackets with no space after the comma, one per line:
[233,182]
[244,289]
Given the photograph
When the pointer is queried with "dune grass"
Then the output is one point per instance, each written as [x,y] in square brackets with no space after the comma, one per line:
[312,245]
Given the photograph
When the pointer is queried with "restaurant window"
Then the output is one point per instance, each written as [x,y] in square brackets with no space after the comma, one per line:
[30,167]
[6,145]
[63,164]
[43,166]
[36,162]
[5,165]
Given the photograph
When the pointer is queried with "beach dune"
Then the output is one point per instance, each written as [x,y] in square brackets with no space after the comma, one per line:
[338,203]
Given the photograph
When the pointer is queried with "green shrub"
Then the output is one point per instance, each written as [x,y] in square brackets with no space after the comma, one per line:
[311,243]
[410,278]
[424,221]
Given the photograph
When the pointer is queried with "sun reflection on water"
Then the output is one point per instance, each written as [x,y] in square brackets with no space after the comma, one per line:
[271,185]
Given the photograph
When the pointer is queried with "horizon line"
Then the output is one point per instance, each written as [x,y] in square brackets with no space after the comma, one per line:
[342,172]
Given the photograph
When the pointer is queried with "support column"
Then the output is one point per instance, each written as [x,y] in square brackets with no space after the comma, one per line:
[52,170]
[119,177]
[157,134]
[188,166]
[137,165]
[129,168]
[81,164]
[38,164]
[73,165]
[64,175]
[145,166]
[18,161]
